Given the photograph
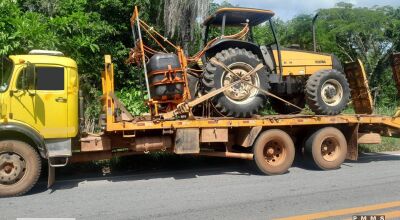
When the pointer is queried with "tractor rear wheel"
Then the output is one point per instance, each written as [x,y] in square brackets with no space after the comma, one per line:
[327,92]
[241,100]
[20,167]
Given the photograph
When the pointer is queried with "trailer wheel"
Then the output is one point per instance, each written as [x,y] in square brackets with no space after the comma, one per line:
[20,167]
[327,147]
[327,92]
[273,152]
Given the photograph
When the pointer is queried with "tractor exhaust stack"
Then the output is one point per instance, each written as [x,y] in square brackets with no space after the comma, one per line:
[313,32]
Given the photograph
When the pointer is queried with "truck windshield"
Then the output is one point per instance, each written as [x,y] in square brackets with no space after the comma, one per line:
[6,68]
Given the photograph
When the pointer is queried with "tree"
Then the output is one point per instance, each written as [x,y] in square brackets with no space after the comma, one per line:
[298,31]
[182,16]
[87,29]
[369,34]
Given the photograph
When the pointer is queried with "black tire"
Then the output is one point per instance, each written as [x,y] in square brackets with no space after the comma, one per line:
[213,76]
[284,108]
[327,79]
[280,159]
[193,84]
[15,155]
[336,148]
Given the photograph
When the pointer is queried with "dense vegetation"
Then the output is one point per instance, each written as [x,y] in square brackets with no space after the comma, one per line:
[87,29]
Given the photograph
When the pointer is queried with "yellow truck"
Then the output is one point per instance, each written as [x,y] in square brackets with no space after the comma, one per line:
[41,113]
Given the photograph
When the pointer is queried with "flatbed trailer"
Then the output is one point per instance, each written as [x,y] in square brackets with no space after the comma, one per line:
[270,141]
[232,137]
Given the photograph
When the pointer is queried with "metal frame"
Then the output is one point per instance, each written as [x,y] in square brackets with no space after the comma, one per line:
[267,121]
[135,19]
[139,54]
[223,25]
[278,48]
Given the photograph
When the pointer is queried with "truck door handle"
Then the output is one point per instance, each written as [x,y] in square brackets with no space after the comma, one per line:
[61,99]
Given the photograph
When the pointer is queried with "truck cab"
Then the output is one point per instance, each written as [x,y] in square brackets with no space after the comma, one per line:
[39,101]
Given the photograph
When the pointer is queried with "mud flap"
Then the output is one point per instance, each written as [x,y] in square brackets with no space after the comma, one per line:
[51,175]
[352,142]
[187,141]
[360,93]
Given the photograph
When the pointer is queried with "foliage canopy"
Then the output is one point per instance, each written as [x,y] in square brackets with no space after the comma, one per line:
[87,29]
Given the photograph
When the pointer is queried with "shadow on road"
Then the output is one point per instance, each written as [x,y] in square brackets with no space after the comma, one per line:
[374,157]
[306,163]
[145,167]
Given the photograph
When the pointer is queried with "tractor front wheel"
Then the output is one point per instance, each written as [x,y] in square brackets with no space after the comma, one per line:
[327,92]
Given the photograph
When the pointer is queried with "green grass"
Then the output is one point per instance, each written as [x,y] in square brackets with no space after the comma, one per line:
[388,144]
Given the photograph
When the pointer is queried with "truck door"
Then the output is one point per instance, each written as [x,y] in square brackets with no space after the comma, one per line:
[43,106]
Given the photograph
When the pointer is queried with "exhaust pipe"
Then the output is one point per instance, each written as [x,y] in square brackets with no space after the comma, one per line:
[313,32]
[245,156]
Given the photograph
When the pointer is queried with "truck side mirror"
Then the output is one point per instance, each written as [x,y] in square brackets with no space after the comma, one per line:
[28,79]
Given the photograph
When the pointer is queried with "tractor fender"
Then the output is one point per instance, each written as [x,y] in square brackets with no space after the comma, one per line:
[231,43]
[24,133]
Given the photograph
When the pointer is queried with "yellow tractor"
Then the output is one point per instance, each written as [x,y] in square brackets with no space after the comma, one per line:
[297,76]
[289,77]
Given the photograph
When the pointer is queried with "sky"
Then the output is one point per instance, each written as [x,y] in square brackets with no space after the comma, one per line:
[287,9]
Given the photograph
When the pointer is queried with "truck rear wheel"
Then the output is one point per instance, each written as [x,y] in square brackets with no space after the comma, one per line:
[241,100]
[327,92]
[327,147]
[273,152]
[20,167]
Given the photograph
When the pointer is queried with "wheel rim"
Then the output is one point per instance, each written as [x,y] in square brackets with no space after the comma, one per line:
[332,92]
[241,93]
[12,168]
[330,149]
[274,153]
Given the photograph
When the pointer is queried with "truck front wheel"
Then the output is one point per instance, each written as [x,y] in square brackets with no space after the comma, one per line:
[20,167]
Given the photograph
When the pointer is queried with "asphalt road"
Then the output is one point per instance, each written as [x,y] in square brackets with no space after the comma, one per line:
[217,189]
